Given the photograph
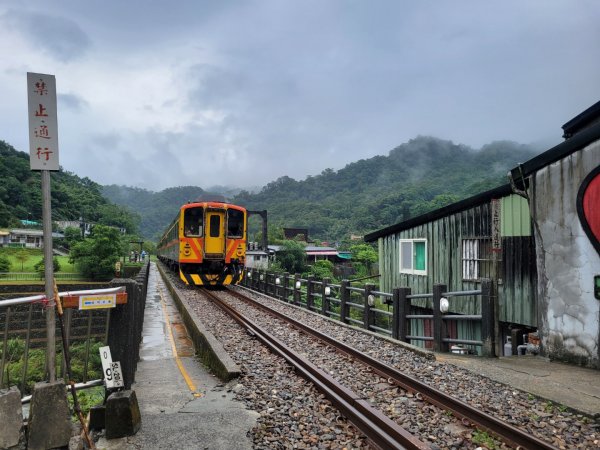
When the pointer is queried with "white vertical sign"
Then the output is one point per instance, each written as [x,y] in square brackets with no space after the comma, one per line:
[43,127]
[112,370]
[496,234]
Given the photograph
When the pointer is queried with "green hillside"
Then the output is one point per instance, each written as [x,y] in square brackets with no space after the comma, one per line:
[421,175]
[71,196]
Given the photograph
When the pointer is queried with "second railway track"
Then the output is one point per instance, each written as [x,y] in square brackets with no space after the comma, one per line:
[380,429]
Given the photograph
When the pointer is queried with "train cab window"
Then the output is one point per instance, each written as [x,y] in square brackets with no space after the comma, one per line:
[193,222]
[235,223]
[215,226]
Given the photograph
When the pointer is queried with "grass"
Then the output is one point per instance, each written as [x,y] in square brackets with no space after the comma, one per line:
[483,438]
[33,257]
[86,398]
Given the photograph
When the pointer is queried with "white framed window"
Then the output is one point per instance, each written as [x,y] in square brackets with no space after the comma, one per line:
[413,256]
[476,259]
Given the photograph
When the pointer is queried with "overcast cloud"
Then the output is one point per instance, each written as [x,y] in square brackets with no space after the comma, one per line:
[239,93]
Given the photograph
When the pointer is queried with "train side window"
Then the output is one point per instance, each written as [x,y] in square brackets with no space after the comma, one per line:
[215,225]
[193,222]
[235,223]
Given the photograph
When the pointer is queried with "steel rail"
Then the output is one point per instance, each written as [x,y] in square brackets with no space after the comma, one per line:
[380,430]
[504,431]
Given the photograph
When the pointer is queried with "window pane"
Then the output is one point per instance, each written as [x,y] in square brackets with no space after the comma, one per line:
[235,223]
[419,248]
[193,221]
[215,225]
[405,255]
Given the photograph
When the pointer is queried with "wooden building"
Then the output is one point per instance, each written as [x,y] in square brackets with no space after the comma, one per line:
[538,237]
[485,236]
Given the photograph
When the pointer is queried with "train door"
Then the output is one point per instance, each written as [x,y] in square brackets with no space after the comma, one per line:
[214,240]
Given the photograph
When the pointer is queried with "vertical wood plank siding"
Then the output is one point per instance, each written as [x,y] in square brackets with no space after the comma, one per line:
[444,264]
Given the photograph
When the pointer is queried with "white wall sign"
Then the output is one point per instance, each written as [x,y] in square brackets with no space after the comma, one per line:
[112,370]
[97,301]
[43,126]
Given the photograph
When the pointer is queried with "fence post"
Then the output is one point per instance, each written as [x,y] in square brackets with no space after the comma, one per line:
[344,294]
[122,326]
[310,300]
[296,289]
[324,298]
[487,318]
[286,286]
[270,279]
[367,314]
[439,325]
[401,305]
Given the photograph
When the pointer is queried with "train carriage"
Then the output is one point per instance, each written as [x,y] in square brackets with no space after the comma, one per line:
[206,242]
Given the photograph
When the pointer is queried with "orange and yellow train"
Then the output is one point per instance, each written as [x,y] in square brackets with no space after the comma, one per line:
[206,242]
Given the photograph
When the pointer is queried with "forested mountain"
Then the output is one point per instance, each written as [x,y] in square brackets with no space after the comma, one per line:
[71,196]
[423,174]
[156,209]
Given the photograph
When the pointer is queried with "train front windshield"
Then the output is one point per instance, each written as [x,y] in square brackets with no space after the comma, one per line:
[193,222]
[235,223]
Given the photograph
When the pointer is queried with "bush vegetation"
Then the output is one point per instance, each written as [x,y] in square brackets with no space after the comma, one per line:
[36,363]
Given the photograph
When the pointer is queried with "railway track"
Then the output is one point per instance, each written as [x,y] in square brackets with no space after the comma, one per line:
[356,409]
[382,432]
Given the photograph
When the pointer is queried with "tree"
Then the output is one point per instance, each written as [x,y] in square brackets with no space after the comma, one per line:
[40,265]
[322,269]
[292,257]
[4,263]
[22,256]
[364,256]
[72,236]
[96,256]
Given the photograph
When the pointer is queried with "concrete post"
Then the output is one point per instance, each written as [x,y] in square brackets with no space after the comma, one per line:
[439,325]
[123,328]
[344,297]
[487,318]
[367,314]
[401,306]
[11,412]
[286,286]
[296,290]
[49,419]
[324,298]
[310,300]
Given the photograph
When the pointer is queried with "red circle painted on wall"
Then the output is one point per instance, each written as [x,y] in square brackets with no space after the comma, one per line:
[588,206]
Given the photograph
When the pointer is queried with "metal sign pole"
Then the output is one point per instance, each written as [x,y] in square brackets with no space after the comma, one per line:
[43,156]
[49,277]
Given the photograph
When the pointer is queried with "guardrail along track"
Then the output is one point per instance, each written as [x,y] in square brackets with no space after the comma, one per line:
[381,431]
[502,430]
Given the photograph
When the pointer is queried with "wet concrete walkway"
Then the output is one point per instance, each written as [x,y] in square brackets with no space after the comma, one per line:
[182,405]
[575,387]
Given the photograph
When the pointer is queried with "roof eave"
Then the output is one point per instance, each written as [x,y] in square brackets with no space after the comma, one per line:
[478,199]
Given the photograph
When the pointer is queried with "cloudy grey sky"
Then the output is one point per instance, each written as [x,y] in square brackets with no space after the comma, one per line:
[159,94]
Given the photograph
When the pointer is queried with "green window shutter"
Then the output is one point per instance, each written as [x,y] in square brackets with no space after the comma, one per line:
[419,255]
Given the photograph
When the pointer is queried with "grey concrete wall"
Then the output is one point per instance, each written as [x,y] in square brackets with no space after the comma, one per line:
[566,261]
